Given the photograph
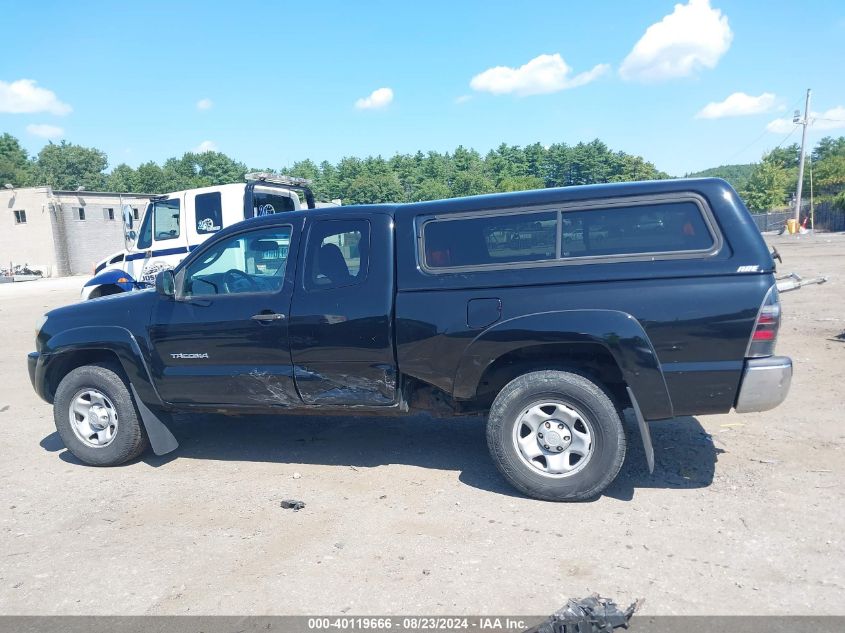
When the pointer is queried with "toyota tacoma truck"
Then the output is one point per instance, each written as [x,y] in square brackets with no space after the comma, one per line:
[550,311]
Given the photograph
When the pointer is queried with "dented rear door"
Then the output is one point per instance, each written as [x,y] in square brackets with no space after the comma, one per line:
[341,325]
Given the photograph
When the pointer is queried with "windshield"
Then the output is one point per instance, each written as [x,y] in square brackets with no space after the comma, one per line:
[163,216]
[145,233]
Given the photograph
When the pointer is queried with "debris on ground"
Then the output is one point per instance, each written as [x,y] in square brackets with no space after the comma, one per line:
[293,504]
[592,614]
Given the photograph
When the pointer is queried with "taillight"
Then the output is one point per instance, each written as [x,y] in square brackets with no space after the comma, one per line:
[765,332]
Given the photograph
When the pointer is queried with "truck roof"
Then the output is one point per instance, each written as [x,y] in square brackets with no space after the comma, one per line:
[705,186]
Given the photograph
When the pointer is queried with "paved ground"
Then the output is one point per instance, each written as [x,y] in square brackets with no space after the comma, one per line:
[743,515]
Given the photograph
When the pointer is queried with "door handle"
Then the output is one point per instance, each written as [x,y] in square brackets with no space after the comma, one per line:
[269,316]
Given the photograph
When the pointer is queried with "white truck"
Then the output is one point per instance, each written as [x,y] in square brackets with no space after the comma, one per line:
[175,223]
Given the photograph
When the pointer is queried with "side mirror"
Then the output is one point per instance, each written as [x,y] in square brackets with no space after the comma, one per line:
[128,218]
[166,283]
[129,234]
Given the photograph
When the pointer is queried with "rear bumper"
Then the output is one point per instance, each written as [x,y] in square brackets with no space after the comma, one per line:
[765,383]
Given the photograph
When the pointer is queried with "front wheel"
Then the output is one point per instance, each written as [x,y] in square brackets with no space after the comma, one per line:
[556,436]
[96,417]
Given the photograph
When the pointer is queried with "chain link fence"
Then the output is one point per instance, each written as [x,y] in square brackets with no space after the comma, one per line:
[827,218]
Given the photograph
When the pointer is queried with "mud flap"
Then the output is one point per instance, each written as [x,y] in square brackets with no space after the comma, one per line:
[644,431]
[161,439]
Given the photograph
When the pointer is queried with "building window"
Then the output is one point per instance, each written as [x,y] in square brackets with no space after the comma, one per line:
[108,214]
[79,213]
[20,217]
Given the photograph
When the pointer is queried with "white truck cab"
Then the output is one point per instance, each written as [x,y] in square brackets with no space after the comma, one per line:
[175,223]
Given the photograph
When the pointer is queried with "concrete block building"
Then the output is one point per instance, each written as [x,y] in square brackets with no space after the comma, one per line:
[62,232]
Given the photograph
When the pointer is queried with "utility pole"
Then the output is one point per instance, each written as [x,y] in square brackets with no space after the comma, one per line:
[806,124]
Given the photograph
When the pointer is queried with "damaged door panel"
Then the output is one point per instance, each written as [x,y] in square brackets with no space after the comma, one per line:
[341,321]
[224,339]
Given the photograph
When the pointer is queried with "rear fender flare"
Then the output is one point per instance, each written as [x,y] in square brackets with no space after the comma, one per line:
[620,333]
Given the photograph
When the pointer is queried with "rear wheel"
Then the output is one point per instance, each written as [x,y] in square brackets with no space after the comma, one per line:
[96,417]
[556,436]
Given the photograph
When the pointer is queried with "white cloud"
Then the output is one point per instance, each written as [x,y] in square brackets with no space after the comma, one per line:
[45,131]
[205,146]
[780,126]
[692,37]
[738,104]
[463,99]
[25,97]
[204,104]
[832,119]
[541,75]
[380,98]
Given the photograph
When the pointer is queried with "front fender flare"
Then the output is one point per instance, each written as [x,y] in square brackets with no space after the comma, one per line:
[123,344]
[620,333]
[119,278]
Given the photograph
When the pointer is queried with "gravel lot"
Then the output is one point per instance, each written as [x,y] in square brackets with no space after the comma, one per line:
[744,514]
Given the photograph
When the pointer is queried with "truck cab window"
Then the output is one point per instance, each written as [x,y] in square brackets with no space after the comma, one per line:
[338,254]
[248,262]
[209,211]
[264,203]
[166,219]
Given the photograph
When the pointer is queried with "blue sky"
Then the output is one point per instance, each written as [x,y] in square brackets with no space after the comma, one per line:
[282,81]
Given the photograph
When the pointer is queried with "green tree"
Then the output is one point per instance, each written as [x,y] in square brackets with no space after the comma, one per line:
[828,147]
[68,166]
[15,167]
[520,183]
[372,188]
[767,186]
[122,179]
[430,190]
[150,178]
[786,156]
[736,175]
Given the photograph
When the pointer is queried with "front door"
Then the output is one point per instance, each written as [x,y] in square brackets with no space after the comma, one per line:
[224,338]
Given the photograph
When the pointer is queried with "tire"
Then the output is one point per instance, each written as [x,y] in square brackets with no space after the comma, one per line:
[103,389]
[580,421]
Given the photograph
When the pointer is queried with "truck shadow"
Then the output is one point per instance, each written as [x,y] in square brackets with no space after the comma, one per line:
[685,454]
[684,457]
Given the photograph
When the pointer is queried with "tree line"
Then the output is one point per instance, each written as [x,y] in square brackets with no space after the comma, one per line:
[770,184]
[424,175]
[401,178]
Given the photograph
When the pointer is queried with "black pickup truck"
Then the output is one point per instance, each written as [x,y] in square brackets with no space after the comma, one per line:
[549,310]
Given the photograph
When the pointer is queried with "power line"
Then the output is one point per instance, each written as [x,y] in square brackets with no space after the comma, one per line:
[786,138]
[765,131]
[754,142]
